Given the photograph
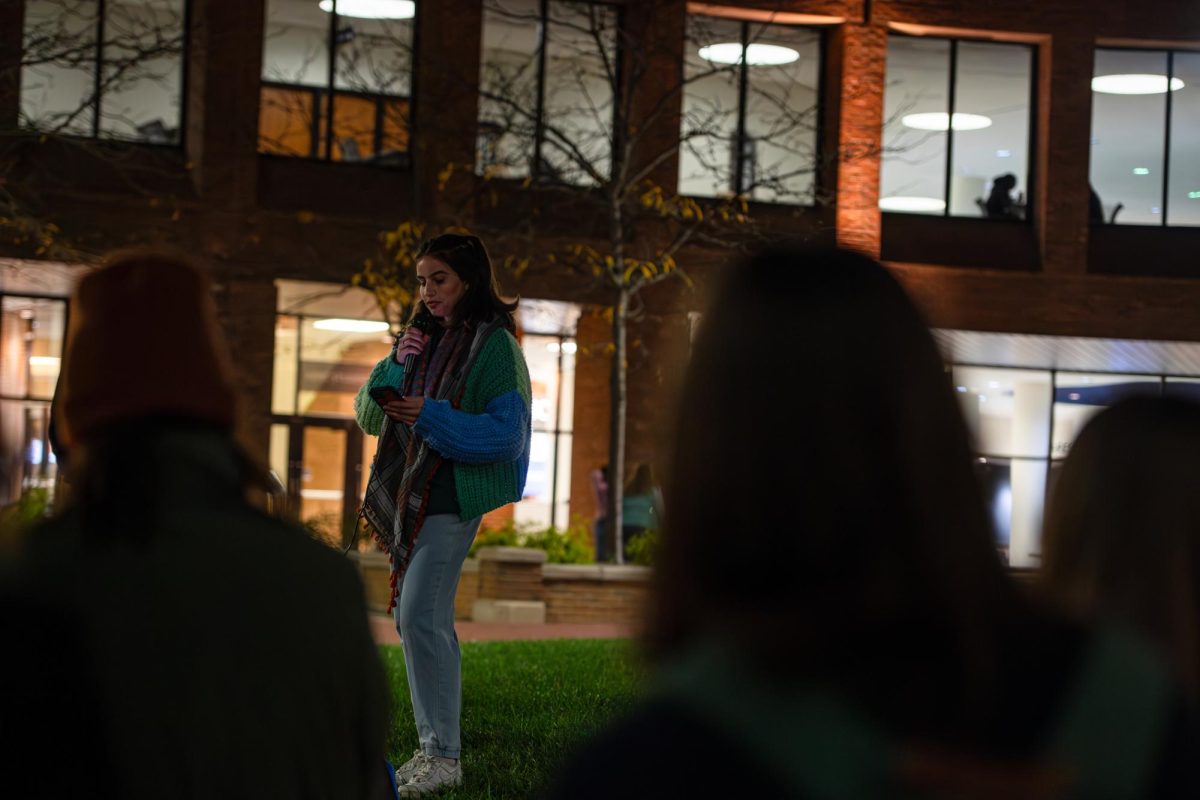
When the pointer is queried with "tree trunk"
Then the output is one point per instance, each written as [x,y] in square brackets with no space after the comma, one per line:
[613,533]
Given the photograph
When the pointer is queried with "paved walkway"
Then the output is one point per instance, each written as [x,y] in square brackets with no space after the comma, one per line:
[385,631]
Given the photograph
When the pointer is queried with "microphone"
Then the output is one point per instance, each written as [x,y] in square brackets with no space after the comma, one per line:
[424,322]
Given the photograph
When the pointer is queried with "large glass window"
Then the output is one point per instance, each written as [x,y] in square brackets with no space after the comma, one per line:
[751,108]
[1145,154]
[547,76]
[31,342]
[956,128]
[104,69]
[548,342]
[357,53]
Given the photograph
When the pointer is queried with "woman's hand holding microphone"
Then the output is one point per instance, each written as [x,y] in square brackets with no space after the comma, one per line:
[407,409]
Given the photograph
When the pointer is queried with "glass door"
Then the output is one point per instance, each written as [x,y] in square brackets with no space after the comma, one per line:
[319,462]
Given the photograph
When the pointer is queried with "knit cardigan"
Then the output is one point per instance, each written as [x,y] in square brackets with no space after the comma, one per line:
[486,437]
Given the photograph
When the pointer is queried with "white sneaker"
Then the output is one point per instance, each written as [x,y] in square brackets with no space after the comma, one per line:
[406,770]
[429,775]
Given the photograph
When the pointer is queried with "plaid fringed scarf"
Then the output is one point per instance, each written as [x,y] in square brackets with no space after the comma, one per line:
[398,488]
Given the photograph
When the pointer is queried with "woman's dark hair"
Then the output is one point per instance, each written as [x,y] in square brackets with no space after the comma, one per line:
[1122,540]
[466,255]
[642,480]
[821,512]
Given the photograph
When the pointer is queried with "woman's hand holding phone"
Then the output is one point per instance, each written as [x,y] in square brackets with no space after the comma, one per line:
[404,409]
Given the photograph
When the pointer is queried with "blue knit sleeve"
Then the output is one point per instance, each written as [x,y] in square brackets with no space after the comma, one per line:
[499,434]
[368,413]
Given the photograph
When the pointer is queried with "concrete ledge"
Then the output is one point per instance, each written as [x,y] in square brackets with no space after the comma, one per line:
[595,572]
[526,612]
[524,555]
[471,565]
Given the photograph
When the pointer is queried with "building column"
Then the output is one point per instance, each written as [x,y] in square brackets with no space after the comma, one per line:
[857,65]
[12,33]
[246,312]
[654,71]
[225,42]
[445,108]
[1064,131]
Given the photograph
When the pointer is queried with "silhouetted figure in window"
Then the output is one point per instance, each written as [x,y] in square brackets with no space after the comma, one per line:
[1000,203]
[1095,207]
[828,616]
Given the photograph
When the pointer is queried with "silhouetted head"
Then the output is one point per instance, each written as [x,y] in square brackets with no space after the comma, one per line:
[475,291]
[642,480]
[1004,183]
[820,498]
[144,342]
[1122,539]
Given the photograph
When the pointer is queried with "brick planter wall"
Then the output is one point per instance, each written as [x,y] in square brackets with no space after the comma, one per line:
[517,579]
[595,593]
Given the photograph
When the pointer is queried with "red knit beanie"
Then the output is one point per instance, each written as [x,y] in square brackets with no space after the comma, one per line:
[143,340]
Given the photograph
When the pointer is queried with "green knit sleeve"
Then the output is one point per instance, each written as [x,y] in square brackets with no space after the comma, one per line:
[501,368]
[368,413]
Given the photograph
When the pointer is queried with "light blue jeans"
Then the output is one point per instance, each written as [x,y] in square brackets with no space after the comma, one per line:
[425,619]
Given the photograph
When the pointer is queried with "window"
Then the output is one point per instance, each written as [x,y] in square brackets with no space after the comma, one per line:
[104,69]
[548,342]
[314,52]
[547,75]
[956,128]
[31,342]
[751,111]
[1145,155]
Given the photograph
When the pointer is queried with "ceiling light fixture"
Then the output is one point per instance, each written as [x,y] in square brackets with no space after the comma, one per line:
[1141,171]
[1134,83]
[937,121]
[372,9]
[350,325]
[918,204]
[757,55]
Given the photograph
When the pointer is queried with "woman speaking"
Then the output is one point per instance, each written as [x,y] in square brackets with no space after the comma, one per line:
[450,405]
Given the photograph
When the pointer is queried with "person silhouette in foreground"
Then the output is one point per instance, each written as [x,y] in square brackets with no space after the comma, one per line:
[1000,203]
[829,617]
[217,652]
[1122,539]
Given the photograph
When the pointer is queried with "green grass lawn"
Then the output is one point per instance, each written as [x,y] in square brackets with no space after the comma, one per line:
[525,704]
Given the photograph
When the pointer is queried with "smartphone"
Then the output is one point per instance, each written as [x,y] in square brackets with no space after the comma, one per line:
[384,394]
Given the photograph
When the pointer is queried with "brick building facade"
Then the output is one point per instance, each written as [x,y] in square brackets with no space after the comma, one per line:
[261,217]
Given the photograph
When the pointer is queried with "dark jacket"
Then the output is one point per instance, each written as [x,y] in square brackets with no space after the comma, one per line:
[217,652]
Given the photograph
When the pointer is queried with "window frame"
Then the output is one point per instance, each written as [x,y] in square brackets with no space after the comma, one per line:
[952,85]
[1164,200]
[328,90]
[535,165]
[738,151]
[97,99]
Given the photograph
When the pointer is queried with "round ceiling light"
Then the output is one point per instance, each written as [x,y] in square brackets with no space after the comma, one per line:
[1140,83]
[350,325]
[938,121]
[757,55]
[372,9]
[916,204]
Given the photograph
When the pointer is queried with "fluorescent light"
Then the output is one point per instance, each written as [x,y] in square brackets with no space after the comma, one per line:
[936,121]
[1141,171]
[44,361]
[1004,154]
[1193,195]
[757,55]
[350,325]
[1139,83]
[372,9]
[922,204]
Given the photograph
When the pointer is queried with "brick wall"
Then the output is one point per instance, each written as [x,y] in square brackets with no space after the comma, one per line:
[595,593]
